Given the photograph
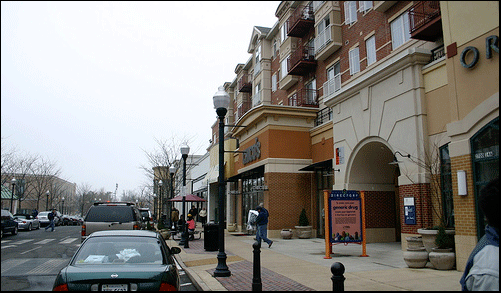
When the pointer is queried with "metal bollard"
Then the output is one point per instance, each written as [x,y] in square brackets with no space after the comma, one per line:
[337,278]
[256,278]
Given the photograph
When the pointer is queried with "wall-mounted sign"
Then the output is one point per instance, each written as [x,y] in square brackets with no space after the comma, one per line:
[252,153]
[339,155]
[491,44]
[409,211]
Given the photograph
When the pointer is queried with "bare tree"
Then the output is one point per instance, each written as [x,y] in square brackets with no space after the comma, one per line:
[44,172]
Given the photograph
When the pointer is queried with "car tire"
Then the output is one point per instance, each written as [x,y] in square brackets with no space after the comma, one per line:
[30,227]
[15,231]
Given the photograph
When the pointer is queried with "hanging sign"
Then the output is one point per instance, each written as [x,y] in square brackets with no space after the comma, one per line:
[345,216]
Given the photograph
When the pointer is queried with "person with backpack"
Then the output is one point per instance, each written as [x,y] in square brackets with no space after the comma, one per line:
[51,216]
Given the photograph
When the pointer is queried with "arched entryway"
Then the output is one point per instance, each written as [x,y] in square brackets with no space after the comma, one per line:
[370,171]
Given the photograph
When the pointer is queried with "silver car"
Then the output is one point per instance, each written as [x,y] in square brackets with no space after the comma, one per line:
[27,222]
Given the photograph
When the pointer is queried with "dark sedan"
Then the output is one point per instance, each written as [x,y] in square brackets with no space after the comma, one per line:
[121,260]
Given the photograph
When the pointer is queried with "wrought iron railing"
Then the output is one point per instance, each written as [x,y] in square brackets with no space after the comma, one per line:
[323,116]
[437,53]
[304,98]
[422,13]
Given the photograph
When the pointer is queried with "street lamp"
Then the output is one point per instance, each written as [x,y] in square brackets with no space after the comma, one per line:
[221,103]
[62,207]
[172,170]
[160,201]
[184,235]
[13,183]
[47,203]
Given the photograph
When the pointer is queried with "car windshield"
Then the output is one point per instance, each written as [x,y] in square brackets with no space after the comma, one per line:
[21,217]
[119,250]
[110,214]
[145,213]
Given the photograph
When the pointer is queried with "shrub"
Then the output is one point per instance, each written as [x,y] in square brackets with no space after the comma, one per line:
[303,219]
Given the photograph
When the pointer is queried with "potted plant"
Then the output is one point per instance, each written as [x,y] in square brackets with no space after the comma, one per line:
[286,233]
[304,228]
[442,257]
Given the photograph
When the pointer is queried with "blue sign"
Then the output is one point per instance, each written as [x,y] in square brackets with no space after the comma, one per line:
[410,215]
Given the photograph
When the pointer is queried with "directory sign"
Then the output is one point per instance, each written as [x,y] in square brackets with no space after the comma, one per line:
[345,216]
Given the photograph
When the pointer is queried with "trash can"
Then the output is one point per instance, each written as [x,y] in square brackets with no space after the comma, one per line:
[211,236]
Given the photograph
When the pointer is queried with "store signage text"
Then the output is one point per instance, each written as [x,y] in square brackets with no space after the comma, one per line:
[491,43]
[252,153]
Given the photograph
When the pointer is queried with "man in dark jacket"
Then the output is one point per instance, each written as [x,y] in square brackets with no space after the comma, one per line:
[261,223]
[51,217]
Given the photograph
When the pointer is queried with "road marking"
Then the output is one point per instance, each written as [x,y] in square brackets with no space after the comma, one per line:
[68,241]
[45,241]
[31,250]
[5,241]
[22,241]
[46,267]
[13,262]
[7,246]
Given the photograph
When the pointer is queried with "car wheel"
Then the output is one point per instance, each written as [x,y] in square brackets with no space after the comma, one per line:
[29,227]
[15,231]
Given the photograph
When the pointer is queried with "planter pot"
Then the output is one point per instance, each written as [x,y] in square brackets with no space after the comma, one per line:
[286,233]
[429,235]
[303,232]
[414,242]
[442,259]
[416,257]
[232,227]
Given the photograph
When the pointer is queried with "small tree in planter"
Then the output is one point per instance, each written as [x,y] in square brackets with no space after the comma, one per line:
[304,228]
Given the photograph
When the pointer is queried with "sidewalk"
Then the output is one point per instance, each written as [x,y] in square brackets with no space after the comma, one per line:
[299,265]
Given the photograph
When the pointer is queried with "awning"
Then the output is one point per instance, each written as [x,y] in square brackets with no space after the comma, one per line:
[189,197]
[213,174]
[327,164]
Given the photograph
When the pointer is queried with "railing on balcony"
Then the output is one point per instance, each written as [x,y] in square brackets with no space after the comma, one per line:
[256,99]
[332,85]
[257,68]
[323,39]
[301,21]
[243,108]
[437,53]
[302,60]
[245,84]
[323,116]
[425,20]
[304,98]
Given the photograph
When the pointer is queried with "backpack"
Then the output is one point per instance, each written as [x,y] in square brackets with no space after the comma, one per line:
[50,216]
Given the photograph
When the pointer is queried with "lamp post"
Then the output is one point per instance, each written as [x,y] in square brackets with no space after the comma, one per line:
[172,170]
[47,203]
[13,183]
[160,210]
[221,102]
[62,207]
[184,235]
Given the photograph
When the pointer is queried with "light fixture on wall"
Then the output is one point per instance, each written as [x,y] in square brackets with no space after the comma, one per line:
[395,161]
[462,188]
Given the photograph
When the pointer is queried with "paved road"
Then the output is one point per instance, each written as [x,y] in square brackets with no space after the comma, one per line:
[32,259]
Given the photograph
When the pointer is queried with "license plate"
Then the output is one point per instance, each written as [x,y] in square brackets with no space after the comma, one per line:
[114,287]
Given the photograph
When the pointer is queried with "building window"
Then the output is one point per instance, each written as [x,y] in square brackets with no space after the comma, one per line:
[274,82]
[370,47]
[333,83]
[446,186]
[365,5]
[274,48]
[350,12]
[400,31]
[354,61]
[257,65]
[311,93]
[283,32]
[283,68]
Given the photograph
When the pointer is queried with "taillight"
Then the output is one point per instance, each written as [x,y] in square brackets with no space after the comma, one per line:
[62,287]
[83,230]
[135,227]
[167,287]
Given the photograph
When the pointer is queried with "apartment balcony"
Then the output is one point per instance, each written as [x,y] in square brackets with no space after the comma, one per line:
[244,107]
[304,98]
[327,42]
[245,84]
[302,60]
[425,21]
[301,21]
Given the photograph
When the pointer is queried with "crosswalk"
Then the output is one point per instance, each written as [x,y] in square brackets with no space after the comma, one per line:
[14,243]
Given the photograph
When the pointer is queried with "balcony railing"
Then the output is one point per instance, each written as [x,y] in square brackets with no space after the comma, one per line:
[332,85]
[243,108]
[304,98]
[301,21]
[245,84]
[425,20]
[323,116]
[323,39]
[302,60]
[437,53]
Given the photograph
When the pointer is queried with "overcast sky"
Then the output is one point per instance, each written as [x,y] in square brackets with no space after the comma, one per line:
[90,85]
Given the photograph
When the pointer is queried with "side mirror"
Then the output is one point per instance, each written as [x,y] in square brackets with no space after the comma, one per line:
[175,250]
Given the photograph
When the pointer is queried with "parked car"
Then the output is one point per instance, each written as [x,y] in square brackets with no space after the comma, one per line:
[9,225]
[121,260]
[44,220]
[111,216]
[27,222]
[147,217]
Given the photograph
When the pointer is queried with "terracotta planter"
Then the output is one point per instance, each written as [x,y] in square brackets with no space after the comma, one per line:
[303,232]
[286,233]
[442,259]
[429,235]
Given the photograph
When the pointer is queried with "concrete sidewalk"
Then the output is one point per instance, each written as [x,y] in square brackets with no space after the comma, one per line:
[299,265]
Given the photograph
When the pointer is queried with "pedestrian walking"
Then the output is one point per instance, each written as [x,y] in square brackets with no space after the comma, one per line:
[203,216]
[51,217]
[174,217]
[34,213]
[262,223]
[482,268]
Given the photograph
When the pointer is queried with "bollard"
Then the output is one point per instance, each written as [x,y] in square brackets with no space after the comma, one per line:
[337,278]
[256,278]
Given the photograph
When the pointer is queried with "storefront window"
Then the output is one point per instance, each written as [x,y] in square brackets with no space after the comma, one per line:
[446,186]
[485,158]
[252,192]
